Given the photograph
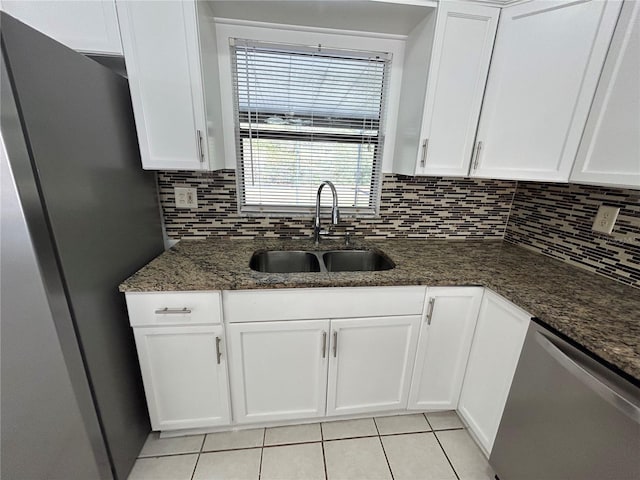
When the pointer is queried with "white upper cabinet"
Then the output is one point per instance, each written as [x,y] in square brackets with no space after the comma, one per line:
[457,76]
[162,54]
[546,63]
[90,27]
[609,153]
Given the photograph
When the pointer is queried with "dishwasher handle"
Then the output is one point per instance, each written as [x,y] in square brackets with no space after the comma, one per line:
[590,379]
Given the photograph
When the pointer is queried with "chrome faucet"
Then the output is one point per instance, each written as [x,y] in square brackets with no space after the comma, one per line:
[335,213]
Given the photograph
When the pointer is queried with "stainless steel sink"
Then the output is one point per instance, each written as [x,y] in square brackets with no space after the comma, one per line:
[276,261]
[356,261]
[291,261]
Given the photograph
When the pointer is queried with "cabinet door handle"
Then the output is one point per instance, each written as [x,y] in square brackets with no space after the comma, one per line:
[425,146]
[476,158]
[173,311]
[324,344]
[218,353]
[335,344]
[199,145]
[432,302]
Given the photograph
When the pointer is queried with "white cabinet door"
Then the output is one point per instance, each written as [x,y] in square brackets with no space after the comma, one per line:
[278,369]
[546,63]
[371,364]
[443,348]
[184,371]
[162,55]
[495,351]
[609,152]
[457,76]
[86,26]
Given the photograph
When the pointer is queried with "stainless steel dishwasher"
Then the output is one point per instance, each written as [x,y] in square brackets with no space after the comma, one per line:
[567,417]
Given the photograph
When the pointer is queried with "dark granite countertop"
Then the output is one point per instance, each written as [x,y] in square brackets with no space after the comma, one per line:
[601,315]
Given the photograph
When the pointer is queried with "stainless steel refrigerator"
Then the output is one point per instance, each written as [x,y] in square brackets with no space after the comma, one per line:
[79,215]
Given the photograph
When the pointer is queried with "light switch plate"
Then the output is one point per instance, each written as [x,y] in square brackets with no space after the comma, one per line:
[605,219]
[186,197]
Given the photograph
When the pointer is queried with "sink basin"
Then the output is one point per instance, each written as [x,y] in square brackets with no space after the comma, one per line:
[356,261]
[291,261]
[275,261]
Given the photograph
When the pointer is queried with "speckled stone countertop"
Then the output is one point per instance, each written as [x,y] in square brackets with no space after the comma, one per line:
[601,315]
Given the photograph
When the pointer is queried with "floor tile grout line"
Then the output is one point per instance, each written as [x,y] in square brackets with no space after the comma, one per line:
[324,459]
[428,422]
[461,427]
[264,436]
[195,467]
[253,447]
[350,438]
[169,455]
[384,452]
[322,440]
[404,433]
[446,456]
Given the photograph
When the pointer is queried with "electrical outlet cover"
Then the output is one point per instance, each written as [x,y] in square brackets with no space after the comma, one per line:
[186,197]
[605,219]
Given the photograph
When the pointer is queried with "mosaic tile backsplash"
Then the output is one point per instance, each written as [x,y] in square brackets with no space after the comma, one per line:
[556,220]
[553,219]
[432,207]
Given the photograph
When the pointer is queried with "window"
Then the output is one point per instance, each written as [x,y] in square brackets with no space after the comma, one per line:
[305,115]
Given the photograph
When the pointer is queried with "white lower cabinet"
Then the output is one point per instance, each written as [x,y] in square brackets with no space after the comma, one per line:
[443,348]
[184,371]
[278,369]
[300,369]
[371,364]
[494,355]
[457,350]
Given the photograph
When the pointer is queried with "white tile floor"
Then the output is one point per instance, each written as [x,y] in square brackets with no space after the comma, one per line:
[406,447]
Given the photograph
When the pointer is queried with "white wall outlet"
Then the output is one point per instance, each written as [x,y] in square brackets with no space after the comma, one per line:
[605,219]
[186,197]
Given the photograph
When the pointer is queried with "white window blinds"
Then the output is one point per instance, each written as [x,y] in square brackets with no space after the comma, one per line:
[305,115]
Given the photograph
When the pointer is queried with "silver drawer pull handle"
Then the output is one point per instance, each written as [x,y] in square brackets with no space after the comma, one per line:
[173,311]
[425,146]
[477,155]
[199,145]
[432,302]
[335,344]
[218,353]
[324,344]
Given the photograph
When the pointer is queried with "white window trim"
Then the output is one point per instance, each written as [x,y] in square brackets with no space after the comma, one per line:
[341,39]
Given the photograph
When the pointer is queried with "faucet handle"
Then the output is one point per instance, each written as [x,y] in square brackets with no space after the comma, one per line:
[347,239]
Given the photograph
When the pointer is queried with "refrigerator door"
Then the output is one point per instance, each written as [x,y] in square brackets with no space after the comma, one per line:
[41,396]
[101,209]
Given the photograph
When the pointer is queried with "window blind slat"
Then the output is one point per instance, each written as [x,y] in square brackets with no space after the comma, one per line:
[303,117]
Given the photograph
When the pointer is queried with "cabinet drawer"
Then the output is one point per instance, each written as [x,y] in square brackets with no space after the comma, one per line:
[174,308]
[322,303]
